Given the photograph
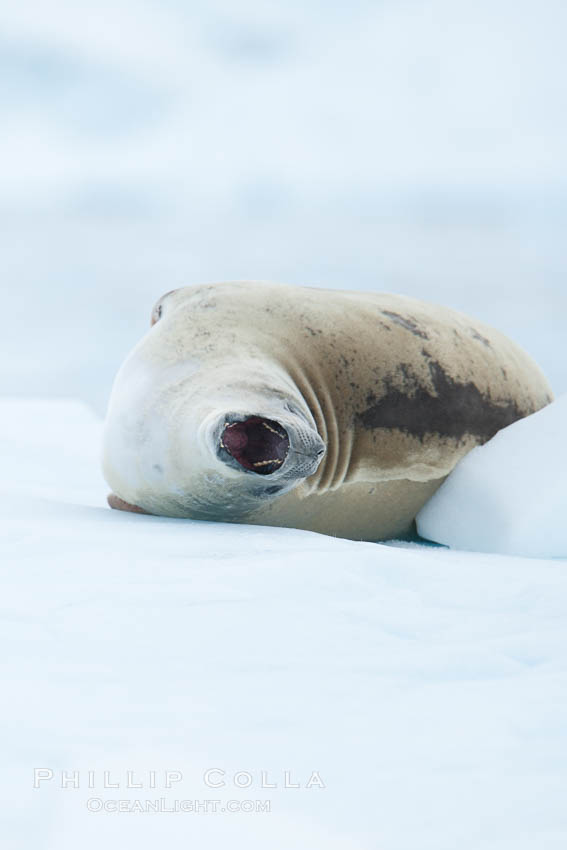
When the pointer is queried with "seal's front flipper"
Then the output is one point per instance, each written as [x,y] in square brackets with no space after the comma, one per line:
[120,505]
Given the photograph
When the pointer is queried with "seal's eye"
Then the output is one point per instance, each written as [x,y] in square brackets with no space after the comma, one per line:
[156,314]
[260,445]
[158,307]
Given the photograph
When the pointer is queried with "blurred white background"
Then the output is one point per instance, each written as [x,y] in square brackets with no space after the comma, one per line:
[416,147]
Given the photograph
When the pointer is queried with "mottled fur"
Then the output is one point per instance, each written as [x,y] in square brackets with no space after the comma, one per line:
[398,391]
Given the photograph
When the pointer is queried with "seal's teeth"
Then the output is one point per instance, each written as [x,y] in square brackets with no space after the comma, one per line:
[273,430]
[265,462]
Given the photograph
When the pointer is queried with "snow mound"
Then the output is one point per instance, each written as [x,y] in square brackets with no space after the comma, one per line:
[508,496]
[427,687]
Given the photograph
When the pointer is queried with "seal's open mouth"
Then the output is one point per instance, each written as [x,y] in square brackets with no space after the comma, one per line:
[260,445]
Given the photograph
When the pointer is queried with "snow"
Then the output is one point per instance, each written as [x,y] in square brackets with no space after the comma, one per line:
[509,495]
[427,687]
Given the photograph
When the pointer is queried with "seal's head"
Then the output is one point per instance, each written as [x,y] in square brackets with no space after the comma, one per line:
[204,430]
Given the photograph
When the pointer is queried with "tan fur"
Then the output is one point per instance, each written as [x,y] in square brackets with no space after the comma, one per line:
[353,359]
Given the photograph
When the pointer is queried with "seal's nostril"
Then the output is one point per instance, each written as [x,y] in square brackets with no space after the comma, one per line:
[260,445]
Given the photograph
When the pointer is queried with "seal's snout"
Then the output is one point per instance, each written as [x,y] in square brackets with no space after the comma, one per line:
[260,445]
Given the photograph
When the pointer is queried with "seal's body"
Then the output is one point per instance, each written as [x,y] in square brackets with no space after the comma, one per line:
[335,411]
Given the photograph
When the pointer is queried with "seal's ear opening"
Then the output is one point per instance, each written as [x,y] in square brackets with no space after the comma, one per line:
[260,445]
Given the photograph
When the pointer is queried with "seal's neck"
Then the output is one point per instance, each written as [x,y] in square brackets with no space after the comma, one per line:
[313,386]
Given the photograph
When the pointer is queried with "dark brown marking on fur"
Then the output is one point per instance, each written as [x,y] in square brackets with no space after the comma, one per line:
[406,323]
[405,369]
[455,409]
[475,335]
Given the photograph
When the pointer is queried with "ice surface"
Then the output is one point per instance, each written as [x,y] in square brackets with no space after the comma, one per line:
[509,495]
[428,687]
